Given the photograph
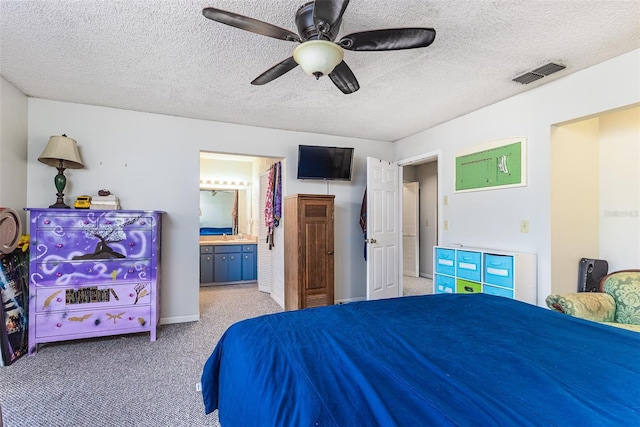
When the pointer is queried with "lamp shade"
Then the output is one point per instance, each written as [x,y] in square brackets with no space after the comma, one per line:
[318,56]
[62,148]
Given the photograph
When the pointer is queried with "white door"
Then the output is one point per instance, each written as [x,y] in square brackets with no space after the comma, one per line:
[383,235]
[410,214]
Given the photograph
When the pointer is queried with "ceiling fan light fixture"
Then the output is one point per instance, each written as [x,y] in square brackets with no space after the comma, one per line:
[318,57]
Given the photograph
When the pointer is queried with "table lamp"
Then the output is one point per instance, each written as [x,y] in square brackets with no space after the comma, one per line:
[62,153]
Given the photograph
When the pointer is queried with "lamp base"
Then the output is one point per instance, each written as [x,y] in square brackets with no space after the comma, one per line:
[60,205]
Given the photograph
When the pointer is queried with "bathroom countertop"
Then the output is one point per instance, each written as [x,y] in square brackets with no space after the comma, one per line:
[230,240]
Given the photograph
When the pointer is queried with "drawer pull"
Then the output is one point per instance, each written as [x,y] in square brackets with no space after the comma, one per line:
[468,288]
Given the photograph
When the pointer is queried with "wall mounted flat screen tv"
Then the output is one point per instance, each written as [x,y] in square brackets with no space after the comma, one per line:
[327,163]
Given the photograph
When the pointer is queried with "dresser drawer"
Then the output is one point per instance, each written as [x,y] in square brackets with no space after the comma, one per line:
[206,249]
[467,287]
[501,292]
[78,245]
[92,297]
[445,260]
[444,284]
[92,219]
[468,265]
[85,323]
[69,273]
[498,270]
[248,248]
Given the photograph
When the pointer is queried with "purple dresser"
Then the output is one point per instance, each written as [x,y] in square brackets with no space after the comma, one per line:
[93,273]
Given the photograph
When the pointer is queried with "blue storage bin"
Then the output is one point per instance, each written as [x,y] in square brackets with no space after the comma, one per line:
[501,292]
[468,265]
[498,270]
[444,284]
[445,261]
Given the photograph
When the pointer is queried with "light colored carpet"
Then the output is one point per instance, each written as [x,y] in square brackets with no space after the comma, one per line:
[127,380]
[416,286]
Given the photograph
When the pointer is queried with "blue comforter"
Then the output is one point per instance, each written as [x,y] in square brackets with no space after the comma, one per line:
[427,360]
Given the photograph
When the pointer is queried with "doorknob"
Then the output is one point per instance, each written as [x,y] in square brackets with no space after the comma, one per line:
[330,253]
[371,241]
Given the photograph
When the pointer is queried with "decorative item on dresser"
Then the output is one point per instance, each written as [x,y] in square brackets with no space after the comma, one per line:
[62,153]
[309,240]
[93,273]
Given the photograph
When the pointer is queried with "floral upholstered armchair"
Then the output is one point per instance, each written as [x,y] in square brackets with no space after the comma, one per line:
[617,303]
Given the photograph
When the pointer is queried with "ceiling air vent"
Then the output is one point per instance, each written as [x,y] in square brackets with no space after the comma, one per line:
[539,73]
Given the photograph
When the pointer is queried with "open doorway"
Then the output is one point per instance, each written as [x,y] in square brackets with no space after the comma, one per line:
[420,213]
[231,210]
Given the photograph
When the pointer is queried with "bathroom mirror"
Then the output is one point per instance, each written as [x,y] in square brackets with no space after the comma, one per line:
[217,212]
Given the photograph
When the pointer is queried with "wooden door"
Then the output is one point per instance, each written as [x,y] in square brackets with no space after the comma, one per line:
[309,263]
[317,249]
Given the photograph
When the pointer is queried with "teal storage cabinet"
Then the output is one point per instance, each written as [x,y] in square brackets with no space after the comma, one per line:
[445,260]
[498,270]
[476,270]
[495,290]
[467,287]
[444,284]
[468,265]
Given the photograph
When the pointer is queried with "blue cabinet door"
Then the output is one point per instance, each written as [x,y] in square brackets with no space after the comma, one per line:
[220,266]
[249,270]
[206,268]
[234,267]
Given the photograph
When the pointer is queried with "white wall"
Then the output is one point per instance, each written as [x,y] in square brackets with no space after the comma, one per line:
[13,149]
[151,161]
[492,218]
[620,189]
[575,203]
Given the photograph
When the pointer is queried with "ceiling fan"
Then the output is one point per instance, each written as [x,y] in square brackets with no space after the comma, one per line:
[318,53]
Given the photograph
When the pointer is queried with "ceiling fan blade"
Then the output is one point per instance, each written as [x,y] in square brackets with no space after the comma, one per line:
[327,14]
[343,78]
[275,71]
[249,24]
[389,39]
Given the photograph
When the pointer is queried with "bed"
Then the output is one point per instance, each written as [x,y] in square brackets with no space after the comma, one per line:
[424,360]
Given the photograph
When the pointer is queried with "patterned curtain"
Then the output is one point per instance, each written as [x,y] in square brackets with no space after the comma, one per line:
[234,214]
[273,203]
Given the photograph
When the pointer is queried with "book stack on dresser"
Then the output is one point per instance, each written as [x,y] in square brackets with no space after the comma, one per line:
[110,202]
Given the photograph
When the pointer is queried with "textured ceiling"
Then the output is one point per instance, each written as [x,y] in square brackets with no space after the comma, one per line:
[164,57]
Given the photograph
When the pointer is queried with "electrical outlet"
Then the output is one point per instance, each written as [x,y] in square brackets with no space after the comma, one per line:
[445,224]
[198,386]
[524,226]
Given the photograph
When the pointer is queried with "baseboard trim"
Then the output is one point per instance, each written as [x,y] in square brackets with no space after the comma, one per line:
[278,301]
[348,300]
[179,319]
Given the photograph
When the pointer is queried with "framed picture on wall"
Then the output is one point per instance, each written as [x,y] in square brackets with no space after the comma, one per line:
[495,164]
